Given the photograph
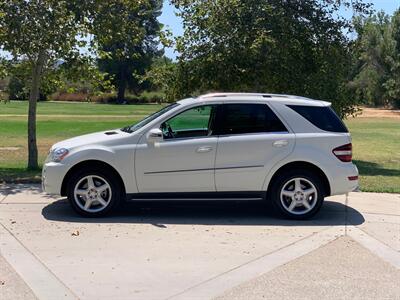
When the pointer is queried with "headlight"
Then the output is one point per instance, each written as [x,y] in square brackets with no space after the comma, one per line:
[57,155]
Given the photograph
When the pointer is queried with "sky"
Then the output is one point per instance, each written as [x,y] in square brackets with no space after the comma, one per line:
[169,18]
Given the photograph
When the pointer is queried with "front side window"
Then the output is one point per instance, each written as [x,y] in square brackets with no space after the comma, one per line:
[194,122]
[248,118]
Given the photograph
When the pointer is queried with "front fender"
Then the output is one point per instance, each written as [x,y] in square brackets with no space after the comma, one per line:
[121,158]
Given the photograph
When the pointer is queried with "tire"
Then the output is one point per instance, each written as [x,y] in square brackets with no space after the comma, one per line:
[95,197]
[292,194]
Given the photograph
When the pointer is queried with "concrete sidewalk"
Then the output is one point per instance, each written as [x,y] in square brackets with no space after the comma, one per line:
[186,250]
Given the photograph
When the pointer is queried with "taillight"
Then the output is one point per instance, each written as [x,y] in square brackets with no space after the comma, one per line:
[344,153]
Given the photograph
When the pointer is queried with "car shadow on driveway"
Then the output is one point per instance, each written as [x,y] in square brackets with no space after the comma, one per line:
[162,213]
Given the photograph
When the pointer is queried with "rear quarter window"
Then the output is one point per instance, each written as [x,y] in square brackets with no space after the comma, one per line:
[323,117]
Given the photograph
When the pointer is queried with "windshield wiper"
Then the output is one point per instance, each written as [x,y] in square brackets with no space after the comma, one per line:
[127,129]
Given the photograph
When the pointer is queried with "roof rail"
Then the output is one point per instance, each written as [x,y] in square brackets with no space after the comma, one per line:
[264,95]
[212,95]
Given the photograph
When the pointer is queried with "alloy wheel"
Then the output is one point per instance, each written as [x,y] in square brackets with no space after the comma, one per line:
[298,196]
[92,193]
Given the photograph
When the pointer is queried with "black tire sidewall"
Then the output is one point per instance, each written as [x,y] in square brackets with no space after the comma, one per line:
[282,179]
[115,190]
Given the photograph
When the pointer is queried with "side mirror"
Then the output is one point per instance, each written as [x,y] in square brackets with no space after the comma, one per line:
[154,135]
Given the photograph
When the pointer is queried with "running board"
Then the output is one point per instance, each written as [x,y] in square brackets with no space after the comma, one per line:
[195,199]
[199,196]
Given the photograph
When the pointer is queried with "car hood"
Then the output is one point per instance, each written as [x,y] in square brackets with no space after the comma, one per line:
[108,137]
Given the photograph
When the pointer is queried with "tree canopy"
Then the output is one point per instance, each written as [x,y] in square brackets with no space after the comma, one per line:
[294,47]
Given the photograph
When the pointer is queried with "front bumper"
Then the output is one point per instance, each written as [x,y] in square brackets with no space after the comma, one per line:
[52,177]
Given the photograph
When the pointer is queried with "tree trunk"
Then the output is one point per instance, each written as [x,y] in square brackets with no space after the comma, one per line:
[121,91]
[33,97]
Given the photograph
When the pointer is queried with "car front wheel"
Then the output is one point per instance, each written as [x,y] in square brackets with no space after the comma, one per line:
[93,193]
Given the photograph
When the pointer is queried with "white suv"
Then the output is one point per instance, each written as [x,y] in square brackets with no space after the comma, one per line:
[291,150]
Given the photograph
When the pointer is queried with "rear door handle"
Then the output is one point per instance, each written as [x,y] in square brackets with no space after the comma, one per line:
[280,143]
[204,149]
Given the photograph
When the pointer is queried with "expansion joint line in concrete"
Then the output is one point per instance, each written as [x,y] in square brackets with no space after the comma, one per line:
[3,198]
[346,213]
[215,285]
[41,280]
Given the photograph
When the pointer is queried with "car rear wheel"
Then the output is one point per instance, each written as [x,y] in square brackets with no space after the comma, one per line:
[93,193]
[297,194]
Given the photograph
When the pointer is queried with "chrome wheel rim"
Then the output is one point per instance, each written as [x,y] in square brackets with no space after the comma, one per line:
[92,193]
[298,196]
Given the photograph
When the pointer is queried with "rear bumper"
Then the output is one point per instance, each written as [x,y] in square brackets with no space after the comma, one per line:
[52,177]
[343,180]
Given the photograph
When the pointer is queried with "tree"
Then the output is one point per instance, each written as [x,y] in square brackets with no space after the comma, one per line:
[393,84]
[19,83]
[41,32]
[126,33]
[163,75]
[294,47]
[376,78]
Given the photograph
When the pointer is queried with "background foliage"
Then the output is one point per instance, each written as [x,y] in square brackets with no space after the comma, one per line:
[376,78]
[291,47]
[126,32]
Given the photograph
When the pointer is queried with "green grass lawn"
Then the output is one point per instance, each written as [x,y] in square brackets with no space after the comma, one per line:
[376,141]
[376,152]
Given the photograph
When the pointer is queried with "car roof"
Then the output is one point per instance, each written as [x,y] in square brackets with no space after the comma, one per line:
[285,99]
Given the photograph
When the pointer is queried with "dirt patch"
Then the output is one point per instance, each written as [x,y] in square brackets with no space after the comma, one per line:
[379,113]
[9,148]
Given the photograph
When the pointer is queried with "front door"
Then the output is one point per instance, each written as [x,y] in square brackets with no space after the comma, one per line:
[184,160]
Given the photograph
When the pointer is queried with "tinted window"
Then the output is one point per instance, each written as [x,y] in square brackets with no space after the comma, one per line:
[322,117]
[248,118]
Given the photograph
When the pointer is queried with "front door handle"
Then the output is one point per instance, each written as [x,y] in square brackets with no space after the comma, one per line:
[204,149]
[280,143]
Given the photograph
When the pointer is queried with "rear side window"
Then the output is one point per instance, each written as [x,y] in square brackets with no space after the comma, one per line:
[323,117]
[248,118]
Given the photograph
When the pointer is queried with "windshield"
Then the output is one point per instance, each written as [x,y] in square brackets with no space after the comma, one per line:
[148,119]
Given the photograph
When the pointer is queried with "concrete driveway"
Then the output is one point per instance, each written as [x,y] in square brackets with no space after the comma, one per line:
[186,250]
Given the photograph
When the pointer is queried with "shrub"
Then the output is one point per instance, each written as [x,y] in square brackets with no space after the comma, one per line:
[17,89]
[396,104]
[64,96]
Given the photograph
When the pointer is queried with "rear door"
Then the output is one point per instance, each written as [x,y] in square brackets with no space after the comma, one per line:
[252,139]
